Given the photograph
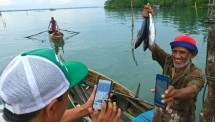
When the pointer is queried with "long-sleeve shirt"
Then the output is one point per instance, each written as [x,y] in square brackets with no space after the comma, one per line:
[192,76]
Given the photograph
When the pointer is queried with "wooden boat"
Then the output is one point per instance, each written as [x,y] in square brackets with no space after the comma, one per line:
[210,21]
[57,35]
[130,105]
[52,9]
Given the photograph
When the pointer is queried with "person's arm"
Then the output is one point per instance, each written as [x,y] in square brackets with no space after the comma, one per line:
[76,113]
[81,111]
[49,24]
[180,94]
[189,92]
[193,87]
[111,115]
[185,93]
[158,54]
[57,26]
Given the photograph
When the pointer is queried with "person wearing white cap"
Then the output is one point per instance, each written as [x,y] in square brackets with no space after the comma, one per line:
[185,79]
[34,88]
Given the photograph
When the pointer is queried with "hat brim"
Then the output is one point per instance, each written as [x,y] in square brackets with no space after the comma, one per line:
[76,72]
[189,46]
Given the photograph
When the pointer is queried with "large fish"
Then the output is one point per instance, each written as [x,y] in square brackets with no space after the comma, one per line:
[141,35]
[151,32]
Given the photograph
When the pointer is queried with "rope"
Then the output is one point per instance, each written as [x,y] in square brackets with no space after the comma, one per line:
[35,34]
[211,78]
[203,96]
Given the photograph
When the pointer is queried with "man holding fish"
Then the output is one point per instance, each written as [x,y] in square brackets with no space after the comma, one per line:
[185,79]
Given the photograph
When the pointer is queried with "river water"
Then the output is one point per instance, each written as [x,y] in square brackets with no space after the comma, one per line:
[102,40]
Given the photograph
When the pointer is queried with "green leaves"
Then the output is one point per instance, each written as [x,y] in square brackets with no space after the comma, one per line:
[121,4]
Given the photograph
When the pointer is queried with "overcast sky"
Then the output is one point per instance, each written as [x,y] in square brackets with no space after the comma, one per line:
[34,4]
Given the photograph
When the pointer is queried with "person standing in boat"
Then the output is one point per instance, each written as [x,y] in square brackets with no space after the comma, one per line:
[34,87]
[53,24]
[186,79]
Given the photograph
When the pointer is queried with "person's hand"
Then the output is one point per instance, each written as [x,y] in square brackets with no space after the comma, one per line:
[109,113]
[147,9]
[89,104]
[168,97]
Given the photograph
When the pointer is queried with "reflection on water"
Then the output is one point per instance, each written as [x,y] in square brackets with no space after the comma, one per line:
[57,45]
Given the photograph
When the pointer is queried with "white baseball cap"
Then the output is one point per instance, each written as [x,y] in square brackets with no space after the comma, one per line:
[34,78]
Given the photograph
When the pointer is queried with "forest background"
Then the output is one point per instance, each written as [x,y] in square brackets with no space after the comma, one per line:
[120,4]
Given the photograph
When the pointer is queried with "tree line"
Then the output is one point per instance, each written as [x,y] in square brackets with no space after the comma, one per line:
[120,4]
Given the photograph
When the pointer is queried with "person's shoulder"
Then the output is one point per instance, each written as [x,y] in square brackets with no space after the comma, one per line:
[196,71]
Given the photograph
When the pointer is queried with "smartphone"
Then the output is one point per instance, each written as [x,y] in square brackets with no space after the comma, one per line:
[102,93]
[162,83]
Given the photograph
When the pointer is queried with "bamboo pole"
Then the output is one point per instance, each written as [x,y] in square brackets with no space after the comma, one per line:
[132,13]
[210,63]
[207,114]
[196,9]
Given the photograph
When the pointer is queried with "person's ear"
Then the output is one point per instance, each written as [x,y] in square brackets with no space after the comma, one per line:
[193,54]
[51,108]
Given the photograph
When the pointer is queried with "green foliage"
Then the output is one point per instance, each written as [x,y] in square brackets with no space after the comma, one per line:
[120,4]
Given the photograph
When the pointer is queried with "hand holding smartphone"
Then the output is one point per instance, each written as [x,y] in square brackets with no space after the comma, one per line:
[102,93]
[162,83]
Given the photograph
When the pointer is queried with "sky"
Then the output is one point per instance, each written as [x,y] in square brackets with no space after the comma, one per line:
[36,4]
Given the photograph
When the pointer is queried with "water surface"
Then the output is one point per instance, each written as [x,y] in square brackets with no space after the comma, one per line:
[102,40]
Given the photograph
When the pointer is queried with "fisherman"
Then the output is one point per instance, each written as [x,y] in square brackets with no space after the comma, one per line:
[34,87]
[186,79]
[53,24]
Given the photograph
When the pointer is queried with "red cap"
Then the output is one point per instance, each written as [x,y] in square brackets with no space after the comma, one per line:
[185,41]
[185,38]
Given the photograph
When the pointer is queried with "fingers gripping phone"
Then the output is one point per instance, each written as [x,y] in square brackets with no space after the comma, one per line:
[162,83]
[102,93]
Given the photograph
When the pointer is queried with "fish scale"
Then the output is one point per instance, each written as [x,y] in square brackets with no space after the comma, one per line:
[146,34]
[151,32]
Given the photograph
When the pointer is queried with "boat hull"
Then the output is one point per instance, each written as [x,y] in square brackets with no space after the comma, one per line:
[56,35]
[130,105]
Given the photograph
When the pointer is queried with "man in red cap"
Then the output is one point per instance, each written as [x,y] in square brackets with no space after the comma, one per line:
[186,79]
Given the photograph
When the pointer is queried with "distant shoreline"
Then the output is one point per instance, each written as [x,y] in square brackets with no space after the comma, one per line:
[50,9]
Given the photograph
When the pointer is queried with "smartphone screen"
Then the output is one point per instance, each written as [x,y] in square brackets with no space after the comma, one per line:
[162,82]
[102,93]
